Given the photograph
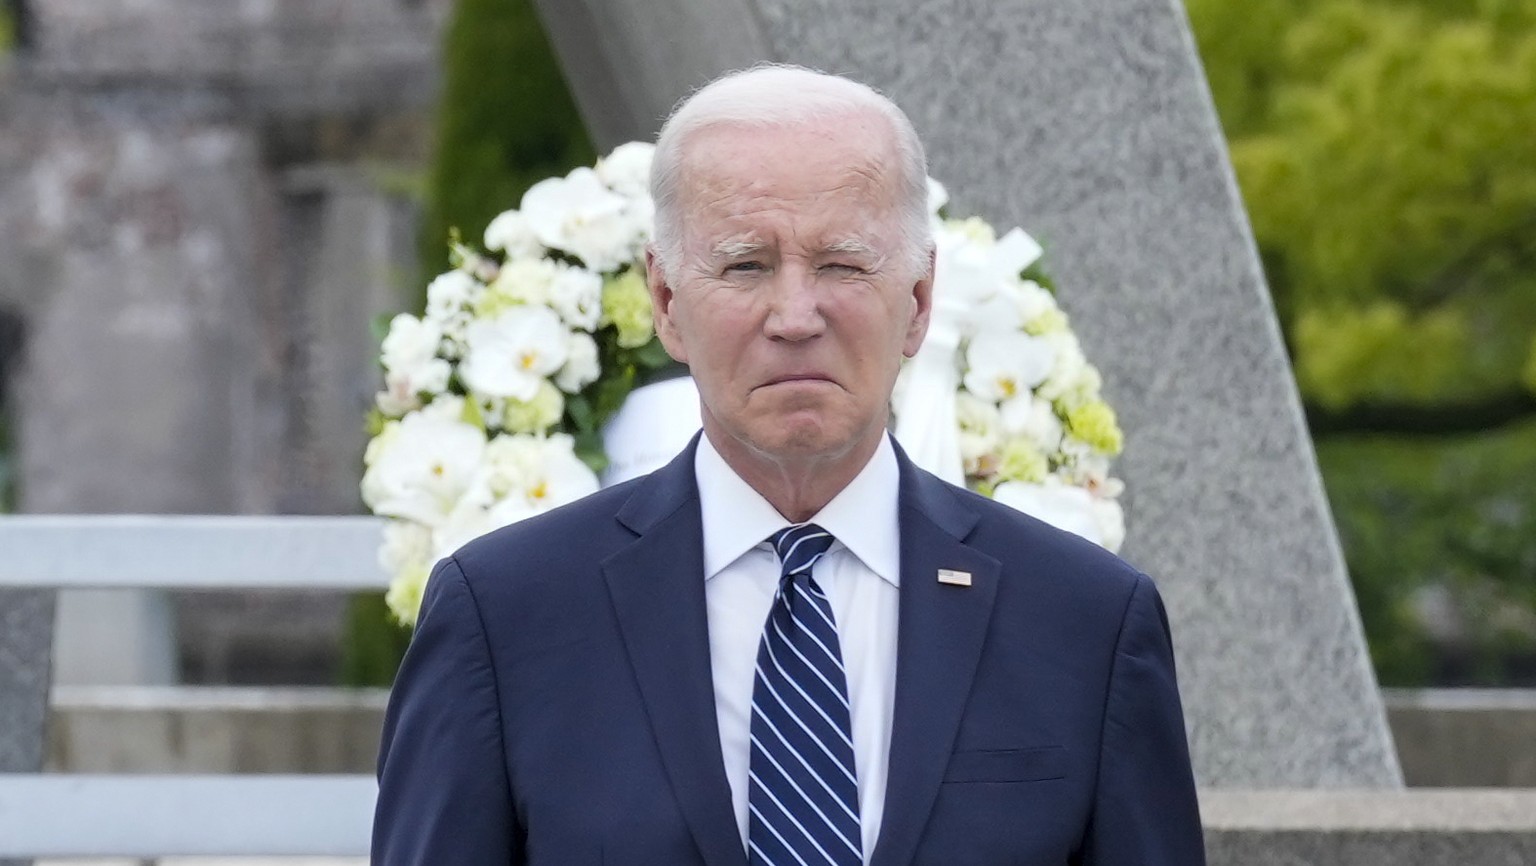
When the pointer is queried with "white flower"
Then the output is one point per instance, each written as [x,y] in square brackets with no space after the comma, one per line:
[1061,505]
[520,281]
[508,355]
[394,403]
[627,171]
[976,278]
[419,468]
[1003,365]
[410,360]
[1071,378]
[445,408]
[581,367]
[411,342]
[980,430]
[511,232]
[577,295]
[1033,418]
[938,196]
[407,546]
[1033,301]
[541,473]
[450,294]
[581,216]
[1111,519]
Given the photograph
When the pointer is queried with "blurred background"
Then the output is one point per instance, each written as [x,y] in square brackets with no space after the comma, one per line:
[1385,150]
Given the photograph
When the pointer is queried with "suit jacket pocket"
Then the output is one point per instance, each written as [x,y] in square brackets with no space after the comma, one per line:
[1008,765]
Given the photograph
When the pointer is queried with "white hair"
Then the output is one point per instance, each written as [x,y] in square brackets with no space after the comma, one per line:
[777,95]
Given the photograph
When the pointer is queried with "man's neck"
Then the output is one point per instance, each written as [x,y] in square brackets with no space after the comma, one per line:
[796,487]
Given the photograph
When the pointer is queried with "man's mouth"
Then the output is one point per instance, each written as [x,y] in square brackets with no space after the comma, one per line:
[797,377]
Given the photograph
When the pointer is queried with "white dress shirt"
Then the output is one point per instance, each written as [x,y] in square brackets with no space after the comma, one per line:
[861,574]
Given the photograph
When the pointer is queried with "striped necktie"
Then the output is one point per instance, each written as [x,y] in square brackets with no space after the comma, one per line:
[803,797]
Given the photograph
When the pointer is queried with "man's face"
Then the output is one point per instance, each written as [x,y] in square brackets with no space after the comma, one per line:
[793,300]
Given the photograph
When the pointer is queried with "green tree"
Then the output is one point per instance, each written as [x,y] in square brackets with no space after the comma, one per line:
[1385,152]
[506,120]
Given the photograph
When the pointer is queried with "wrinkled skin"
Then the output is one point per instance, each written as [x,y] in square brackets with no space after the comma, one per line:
[793,300]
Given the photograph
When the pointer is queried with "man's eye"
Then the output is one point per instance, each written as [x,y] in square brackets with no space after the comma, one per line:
[743,266]
[842,267]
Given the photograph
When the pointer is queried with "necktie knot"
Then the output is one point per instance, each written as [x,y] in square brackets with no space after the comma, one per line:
[799,547]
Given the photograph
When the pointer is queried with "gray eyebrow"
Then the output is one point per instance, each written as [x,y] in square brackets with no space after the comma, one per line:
[852,246]
[732,247]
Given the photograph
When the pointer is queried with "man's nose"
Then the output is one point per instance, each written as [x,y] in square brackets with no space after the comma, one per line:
[794,306]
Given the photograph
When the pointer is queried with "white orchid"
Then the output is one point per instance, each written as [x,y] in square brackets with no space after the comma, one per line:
[980,429]
[577,295]
[420,467]
[450,294]
[513,233]
[1063,506]
[411,365]
[627,170]
[581,364]
[411,342]
[407,546]
[1028,425]
[520,281]
[1033,418]
[979,276]
[1005,364]
[581,216]
[540,473]
[509,355]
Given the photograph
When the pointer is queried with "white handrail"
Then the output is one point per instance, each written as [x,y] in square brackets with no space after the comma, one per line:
[43,815]
[190,552]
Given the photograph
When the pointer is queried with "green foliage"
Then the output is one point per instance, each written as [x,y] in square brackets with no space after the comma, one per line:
[375,644]
[1530,368]
[1380,351]
[505,121]
[1440,535]
[1412,155]
[1386,155]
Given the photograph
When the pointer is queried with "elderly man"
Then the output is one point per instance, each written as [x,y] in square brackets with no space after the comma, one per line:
[790,645]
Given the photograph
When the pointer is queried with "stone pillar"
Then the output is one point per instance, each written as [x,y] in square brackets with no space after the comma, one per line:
[1089,123]
[193,347]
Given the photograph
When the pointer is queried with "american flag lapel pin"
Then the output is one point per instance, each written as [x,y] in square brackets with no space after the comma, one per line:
[954,578]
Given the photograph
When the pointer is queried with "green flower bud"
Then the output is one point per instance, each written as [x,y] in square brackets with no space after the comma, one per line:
[536,415]
[1022,460]
[627,306]
[1094,423]
[1051,321]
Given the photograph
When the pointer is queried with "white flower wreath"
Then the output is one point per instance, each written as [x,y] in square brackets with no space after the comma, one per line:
[496,398]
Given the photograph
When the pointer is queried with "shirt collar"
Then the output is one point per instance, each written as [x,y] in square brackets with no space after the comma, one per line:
[862,516]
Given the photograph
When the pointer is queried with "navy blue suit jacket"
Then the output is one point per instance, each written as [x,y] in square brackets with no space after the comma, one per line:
[556,707]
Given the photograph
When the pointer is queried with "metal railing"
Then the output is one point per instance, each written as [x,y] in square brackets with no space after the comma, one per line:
[146,816]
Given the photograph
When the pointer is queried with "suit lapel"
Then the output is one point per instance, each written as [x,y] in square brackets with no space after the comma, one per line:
[941,631]
[657,589]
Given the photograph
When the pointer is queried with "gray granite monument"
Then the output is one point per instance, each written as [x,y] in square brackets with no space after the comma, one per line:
[1089,122]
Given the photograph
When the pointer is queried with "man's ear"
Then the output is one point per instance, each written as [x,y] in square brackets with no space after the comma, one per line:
[661,307]
[922,309]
